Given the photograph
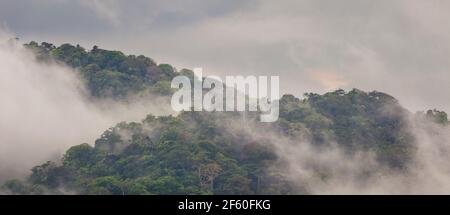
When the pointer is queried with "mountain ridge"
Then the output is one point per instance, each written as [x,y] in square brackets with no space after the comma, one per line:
[213,152]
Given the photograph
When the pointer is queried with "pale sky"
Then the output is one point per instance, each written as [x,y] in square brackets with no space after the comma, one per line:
[401,47]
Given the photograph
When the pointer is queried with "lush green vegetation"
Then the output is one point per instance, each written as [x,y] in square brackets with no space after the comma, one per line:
[110,73]
[193,153]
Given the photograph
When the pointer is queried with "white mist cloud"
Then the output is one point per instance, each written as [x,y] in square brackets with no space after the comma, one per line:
[44,110]
[330,168]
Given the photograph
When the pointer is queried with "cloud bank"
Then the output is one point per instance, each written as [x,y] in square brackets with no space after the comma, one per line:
[400,47]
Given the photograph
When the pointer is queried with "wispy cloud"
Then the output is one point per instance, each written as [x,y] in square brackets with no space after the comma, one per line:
[105,9]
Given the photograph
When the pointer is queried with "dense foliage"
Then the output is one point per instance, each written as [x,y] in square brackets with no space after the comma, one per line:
[193,152]
[110,73]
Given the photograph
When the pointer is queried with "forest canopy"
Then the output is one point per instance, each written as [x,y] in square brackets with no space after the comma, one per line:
[198,152]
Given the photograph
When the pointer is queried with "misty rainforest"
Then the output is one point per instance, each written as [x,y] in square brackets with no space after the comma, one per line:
[337,142]
[358,100]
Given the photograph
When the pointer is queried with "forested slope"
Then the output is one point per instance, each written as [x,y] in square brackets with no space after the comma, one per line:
[211,152]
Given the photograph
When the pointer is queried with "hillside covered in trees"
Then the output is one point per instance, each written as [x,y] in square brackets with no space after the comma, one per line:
[110,73]
[214,152]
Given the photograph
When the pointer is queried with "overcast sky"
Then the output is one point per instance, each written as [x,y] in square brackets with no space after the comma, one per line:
[401,47]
